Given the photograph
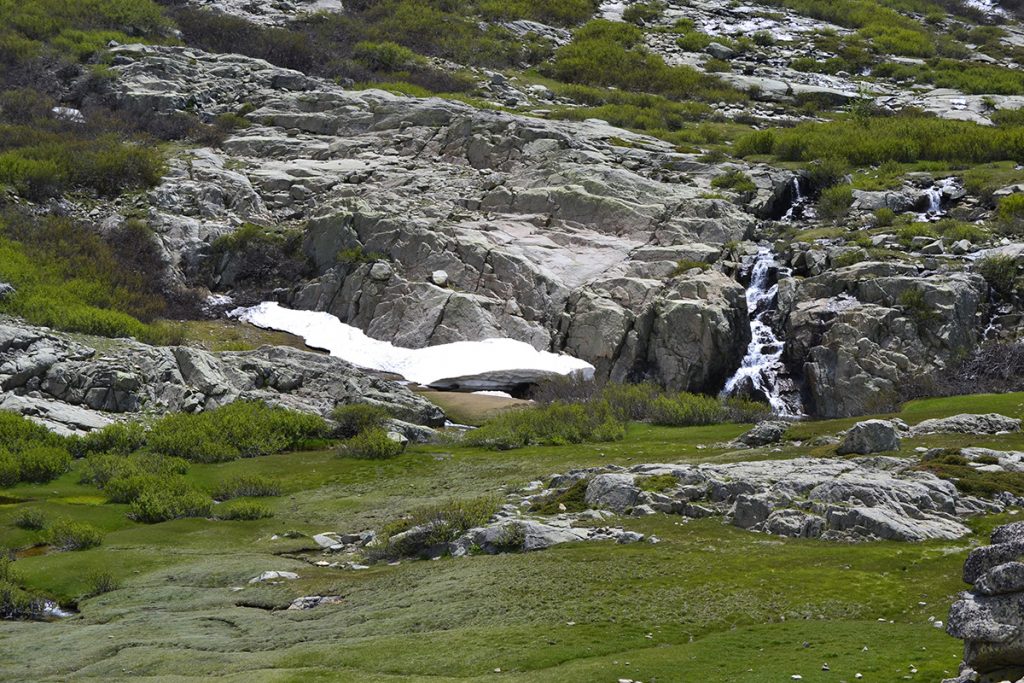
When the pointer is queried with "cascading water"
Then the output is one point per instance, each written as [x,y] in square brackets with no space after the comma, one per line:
[799,203]
[934,197]
[758,374]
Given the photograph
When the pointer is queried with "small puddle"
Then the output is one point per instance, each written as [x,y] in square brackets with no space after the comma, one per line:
[33,551]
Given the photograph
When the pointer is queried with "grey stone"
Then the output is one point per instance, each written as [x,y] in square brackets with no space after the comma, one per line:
[870,436]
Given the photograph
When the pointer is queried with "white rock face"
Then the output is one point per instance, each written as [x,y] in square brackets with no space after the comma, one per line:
[491,364]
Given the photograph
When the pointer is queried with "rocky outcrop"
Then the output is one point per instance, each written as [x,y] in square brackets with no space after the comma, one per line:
[69,386]
[841,500]
[965,423]
[858,338]
[553,233]
[989,618]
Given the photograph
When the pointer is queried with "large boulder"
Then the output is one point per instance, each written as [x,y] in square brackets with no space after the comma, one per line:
[870,436]
[616,492]
[989,618]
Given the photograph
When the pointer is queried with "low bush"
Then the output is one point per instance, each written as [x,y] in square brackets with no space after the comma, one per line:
[1000,272]
[15,601]
[551,425]
[67,534]
[101,582]
[246,486]
[1010,214]
[120,438]
[828,172]
[606,53]
[243,429]
[835,202]
[643,12]
[657,483]
[735,180]
[571,388]
[685,410]
[371,444]
[162,500]
[100,469]
[242,510]
[40,464]
[356,418]
[10,469]
[884,217]
[31,520]
[442,523]
[914,304]
[573,499]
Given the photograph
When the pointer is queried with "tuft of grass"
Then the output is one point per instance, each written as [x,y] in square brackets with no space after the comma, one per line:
[243,510]
[68,534]
[246,486]
[371,444]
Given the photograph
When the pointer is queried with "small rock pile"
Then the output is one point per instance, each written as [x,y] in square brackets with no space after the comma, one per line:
[989,618]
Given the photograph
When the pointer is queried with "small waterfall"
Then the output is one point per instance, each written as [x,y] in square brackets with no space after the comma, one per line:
[934,196]
[759,372]
[799,203]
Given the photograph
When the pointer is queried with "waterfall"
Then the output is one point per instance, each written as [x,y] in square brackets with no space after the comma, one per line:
[934,197]
[798,205]
[759,372]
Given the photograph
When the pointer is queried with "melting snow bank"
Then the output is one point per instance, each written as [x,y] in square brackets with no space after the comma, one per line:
[489,365]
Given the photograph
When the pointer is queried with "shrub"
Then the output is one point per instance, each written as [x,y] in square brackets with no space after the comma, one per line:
[914,304]
[884,217]
[835,202]
[825,173]
[30,519]
[511,539]
[371,444]
[358,417]
[246,486]
[385,56]
[442,523]
[243,510]
[243,429]
[574,387]
[573,499]
[1000,272]
[607,53]
[631,401]
[657,483]
[40,464]
[744,410]
[67,534]
[121,438]
[172,499]
[735,180]
[1010,214]
[10,469]
[643,12]
[553,424]
[684,410]
[101,582]
[685,265]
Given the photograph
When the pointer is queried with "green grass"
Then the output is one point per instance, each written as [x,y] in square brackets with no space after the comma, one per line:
[719,603]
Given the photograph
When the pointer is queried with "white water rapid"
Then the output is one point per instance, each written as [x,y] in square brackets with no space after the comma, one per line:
[764,353]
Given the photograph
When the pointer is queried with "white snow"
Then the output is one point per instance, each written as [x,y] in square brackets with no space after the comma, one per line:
[424,366]
[499,394]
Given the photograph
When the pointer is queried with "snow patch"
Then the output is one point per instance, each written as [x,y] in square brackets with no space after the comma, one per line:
[491,364]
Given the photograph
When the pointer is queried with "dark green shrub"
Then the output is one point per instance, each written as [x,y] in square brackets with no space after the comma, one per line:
[1000,272]
[553,424]
[631,401]
[744,410]
[243,429]
[884,217]
[121,438]
[914,304]
[385,56]
[1010,214]
[835,202]
[643,12]
[101,582]
[825,173]
[358,417]
[554,12]
[242,510]
[443,523]
[31,519]
[67,534]
[371,444]
[171,499]
[246,486]
[684,410]
[657,483]
[10,469]
[573,499]
[735,180]
[40,464]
